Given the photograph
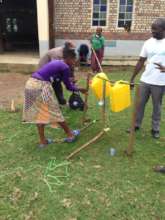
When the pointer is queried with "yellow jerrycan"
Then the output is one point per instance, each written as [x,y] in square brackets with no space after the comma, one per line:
[120,97]
[97,85]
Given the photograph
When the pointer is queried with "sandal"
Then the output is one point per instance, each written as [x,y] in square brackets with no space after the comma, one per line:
[76,132]
[49,141]
[160,169]
[70,140]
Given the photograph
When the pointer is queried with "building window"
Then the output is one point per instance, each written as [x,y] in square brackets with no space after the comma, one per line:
[99,13]
[125,13]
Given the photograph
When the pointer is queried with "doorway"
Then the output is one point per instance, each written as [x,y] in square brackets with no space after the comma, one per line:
[18,25]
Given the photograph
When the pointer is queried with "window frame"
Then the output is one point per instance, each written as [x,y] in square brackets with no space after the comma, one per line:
[133,6]
[107,15]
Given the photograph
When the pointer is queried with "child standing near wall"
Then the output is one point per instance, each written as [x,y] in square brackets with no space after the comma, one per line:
[97,44]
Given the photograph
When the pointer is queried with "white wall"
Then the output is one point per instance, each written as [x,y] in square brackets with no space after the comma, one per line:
[43,26]
[116,48]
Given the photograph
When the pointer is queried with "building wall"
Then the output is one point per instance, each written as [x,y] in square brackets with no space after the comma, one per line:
[72,20]
[145,12]
[43,26]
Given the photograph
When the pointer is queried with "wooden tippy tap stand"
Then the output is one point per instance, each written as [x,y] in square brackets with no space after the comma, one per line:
[129,150]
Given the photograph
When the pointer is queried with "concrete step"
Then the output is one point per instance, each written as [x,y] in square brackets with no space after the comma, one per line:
[28,62]
[19,62]
[18,68]
[120,60]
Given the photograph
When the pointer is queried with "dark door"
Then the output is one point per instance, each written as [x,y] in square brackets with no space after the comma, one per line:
[18,25]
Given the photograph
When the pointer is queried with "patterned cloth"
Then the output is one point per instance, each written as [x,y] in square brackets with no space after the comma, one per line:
[40,105]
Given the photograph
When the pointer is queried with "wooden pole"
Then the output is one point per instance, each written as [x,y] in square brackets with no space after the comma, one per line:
[130,149]
[100,134]
[103,107]
[51,12]
[121,82]
[88,125]
[97,59]
[86,100]
[85,145]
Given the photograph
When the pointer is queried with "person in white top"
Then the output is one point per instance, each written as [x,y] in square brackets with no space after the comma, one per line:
[152,81]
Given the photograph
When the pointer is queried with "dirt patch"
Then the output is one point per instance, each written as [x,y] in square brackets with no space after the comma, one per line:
[11,87]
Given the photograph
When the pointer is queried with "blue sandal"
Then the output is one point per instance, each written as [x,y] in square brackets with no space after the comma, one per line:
[49,141]
[76,132]
[70,140]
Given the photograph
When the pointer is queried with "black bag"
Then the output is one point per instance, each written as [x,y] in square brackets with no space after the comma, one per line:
[76,102]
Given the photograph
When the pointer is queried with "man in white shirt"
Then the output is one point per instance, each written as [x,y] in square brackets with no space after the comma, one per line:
[152,80]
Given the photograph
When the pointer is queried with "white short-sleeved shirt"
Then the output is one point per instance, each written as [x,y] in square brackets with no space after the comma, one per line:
[154,51]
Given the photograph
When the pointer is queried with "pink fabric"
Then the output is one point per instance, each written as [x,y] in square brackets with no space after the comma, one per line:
[94,64]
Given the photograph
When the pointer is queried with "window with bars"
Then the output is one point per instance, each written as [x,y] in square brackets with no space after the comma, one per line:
[99,13]
[125,13]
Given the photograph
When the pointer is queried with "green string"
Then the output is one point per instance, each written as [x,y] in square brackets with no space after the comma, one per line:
[52,180]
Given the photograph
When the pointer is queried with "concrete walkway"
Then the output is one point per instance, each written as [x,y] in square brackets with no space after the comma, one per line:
[27,62]
[19,61]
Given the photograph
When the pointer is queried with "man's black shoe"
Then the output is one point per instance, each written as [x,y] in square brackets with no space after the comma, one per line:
[160,169]
[155,134]
[136,128]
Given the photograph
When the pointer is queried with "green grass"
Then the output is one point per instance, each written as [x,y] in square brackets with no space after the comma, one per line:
[99,187]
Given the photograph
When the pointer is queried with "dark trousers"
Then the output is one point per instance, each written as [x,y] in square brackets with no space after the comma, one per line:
[57,86]
[156,93]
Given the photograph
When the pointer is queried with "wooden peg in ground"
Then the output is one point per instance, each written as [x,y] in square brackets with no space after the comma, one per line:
[12,108]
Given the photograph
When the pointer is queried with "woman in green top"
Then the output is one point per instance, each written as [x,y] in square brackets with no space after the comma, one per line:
[97,43]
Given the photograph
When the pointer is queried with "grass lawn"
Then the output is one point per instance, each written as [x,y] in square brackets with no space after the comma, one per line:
[95,185]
